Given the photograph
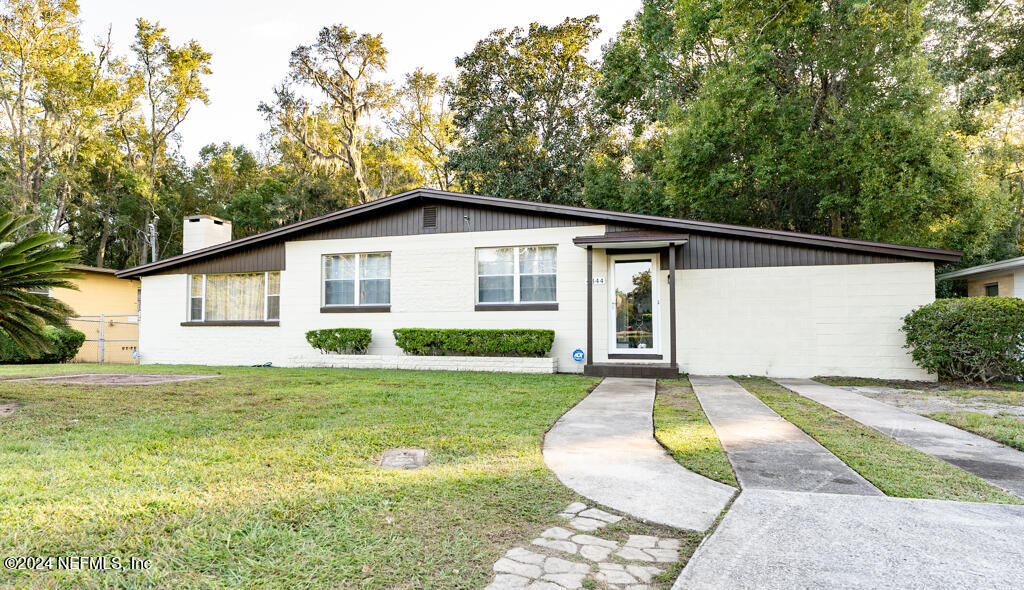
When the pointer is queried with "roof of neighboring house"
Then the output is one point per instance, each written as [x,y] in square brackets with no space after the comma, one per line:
[984,269]
[665,224]
[99,269]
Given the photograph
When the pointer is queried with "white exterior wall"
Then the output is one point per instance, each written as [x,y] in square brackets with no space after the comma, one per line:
[1018,283]
[801,321]
[433,285]
[796,321]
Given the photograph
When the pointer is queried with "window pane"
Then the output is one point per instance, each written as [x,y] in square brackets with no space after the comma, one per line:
[495,290]
[196,313]
[339,292]
[535,260]
[375,291]
[235,297]
[197,285]
[375,266]
[494,261]
[274,307]
[274,284]
[537,288]
[340,266]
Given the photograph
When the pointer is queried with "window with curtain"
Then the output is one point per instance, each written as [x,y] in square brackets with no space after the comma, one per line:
[516,275]
[254,296]
[357,279]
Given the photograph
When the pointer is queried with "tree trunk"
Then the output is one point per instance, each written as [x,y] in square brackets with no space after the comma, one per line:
[101,249]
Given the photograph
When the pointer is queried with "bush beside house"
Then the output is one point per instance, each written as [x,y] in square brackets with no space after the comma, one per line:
[340,340]
[974,339]
[63,346]
[445,342]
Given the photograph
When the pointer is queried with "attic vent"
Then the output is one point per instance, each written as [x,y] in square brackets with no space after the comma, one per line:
[430,217]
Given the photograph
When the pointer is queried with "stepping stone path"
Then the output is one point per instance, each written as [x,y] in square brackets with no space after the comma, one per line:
[572,556]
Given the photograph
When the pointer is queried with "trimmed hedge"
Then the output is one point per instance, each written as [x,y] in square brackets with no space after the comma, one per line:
[64,345]
[974,339]
[340,340]
[455,342]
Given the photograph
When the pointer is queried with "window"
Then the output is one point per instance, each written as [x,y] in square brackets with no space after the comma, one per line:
[357,279]
[992,290]
[39,290]
[516,275]
[254,296]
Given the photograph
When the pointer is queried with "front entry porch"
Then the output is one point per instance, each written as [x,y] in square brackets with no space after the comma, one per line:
[638,342]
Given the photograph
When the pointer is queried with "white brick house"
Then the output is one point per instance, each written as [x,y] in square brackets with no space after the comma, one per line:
[637,294]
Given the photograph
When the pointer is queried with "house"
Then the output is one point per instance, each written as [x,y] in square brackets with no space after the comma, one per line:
[997,279]
[106,309]
[636,294]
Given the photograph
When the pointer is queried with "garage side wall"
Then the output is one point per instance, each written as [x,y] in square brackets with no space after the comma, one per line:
[801,321]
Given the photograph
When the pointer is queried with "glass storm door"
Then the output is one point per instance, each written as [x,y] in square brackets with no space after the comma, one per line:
[633,306]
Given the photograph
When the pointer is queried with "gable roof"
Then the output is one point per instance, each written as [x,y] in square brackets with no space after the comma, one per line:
[598,216]
[981,269]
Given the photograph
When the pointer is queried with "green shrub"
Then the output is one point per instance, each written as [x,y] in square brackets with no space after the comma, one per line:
[426,341]
[63,346]
[975,339]
[340,340]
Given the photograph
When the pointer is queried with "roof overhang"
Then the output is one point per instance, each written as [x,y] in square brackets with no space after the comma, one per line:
[597,216]
[631,240]
[984,270]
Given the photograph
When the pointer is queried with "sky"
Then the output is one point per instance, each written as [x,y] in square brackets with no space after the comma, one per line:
[251,40]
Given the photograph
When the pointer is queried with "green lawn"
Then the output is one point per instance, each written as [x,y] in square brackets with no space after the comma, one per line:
[1002,428]
[681,426]
[895,468]
[265,477]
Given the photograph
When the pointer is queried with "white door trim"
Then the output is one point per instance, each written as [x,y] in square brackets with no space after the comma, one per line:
[655,260]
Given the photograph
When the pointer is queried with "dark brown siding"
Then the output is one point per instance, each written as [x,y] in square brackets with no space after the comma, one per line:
[449,219]
[259,258]
[716,252]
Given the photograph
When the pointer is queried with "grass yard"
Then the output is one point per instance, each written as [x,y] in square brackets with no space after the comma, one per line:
[681,426]
[265,477]
[1002,428]
[895,468]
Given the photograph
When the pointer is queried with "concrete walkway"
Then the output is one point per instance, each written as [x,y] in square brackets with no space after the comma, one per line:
[989,460]
[604,449]
[766,451]
[788,540]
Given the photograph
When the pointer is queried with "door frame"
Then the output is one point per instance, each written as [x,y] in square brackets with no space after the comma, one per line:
[655,259]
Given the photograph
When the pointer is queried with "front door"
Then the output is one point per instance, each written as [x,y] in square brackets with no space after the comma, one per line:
[634,305]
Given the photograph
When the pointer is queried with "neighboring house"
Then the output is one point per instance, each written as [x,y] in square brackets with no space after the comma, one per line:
[100,292]
[997,279]
[640,295]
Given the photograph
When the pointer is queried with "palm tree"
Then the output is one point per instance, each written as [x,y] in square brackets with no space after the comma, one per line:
[29,268]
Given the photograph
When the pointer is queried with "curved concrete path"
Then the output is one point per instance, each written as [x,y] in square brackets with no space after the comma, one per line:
[604,449]
[788,540]
[768,452]
[989,460]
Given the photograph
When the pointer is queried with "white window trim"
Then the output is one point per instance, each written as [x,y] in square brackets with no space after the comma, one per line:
[516,274]
[356,280]
[202,311]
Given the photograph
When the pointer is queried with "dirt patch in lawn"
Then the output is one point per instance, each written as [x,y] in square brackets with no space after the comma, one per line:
[116,378]
[7,408]
[922,403]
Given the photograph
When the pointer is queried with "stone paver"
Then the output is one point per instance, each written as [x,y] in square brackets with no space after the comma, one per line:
[766,451]
[989,460]
[561,559]
[605,450]
[785,540]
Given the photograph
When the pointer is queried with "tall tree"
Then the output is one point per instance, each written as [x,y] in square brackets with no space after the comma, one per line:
[171,79]
[343,67]
[423,122]
[523,102]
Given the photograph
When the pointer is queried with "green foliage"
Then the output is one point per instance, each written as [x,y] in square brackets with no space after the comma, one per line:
[433,341]
[523,104]
[340,340]
[62,344]
[974,339]
[37,262]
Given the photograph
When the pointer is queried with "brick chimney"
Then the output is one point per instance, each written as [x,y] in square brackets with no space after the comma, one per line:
[203,231]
